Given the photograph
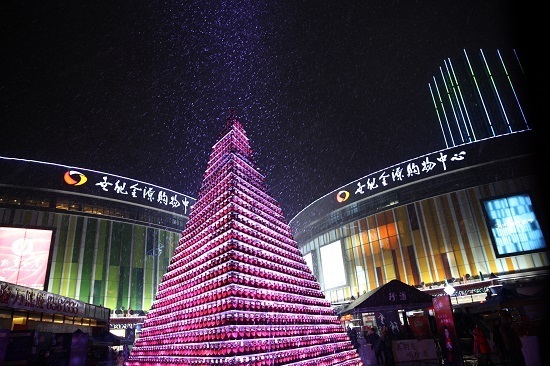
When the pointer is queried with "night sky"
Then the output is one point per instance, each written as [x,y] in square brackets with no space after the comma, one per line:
[327,91]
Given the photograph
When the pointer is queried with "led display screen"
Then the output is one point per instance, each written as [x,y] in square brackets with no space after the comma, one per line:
[513,225]
[24,255]
[334,273]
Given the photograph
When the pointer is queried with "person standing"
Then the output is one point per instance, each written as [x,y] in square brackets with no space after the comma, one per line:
[377,345]
[449,356]
[511,340]
[387,338]
[500,349]
[46,359]
[352,333]
[482,347]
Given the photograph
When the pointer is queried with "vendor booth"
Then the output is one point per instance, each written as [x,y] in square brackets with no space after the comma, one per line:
[399,313]
[394,295]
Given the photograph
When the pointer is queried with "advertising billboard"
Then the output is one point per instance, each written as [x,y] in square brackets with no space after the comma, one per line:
[24,255]
[513,225]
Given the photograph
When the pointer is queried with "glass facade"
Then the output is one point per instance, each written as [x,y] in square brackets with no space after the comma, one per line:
[99,260]
[106,251]
[422,221]
[428,241]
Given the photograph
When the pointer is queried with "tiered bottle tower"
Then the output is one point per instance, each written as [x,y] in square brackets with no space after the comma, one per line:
[237,290]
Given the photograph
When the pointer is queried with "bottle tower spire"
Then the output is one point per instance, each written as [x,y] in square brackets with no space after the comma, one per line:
[237,290]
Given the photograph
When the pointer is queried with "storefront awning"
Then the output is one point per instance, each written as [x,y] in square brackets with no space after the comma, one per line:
[394,295]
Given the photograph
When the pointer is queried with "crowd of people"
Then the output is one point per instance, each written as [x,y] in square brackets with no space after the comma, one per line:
[378,340]
[511,347]
[498,339]
[499,344]
[377,345]
[482,348]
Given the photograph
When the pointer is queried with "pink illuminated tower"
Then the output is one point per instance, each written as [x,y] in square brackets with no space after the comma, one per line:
[237,290]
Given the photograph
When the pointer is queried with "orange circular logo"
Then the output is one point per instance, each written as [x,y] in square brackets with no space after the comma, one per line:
[342,196]
[74,178]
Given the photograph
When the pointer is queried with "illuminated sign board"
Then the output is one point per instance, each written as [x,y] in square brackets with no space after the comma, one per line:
[20,297]
[402,173]
[332,261]
[513,225]
[24,255]
[452,160]
[41,175]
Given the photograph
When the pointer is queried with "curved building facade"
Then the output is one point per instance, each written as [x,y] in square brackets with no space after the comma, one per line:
[91,236]
[464,212]
[471,210]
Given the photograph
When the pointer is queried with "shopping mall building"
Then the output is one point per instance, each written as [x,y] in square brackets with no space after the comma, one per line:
[457,215]
[100,244]
[470,210]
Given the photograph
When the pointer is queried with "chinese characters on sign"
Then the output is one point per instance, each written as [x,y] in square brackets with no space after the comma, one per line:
[448,338]
[139,191]
[400,174]
[401,296]
[36,300]
[410,350]
[412,169]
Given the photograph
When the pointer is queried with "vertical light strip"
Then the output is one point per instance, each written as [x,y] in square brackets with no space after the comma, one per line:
[372,258]
[444,113]
[107,266]
[496,90]
[366,244]
[454,89]
[357,250]
[426,242]
[463,102]
[68,256]
[94,262]
[399,244]
[482,255]
[461,255]
[131,268]
[513,89]
[438,217]
[56,270]
[81,260]
[451,103]
[479,93]
[380,246]
[519,62]
[363,282]
[438,115]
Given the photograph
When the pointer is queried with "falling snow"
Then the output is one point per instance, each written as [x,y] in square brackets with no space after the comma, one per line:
[327,91]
